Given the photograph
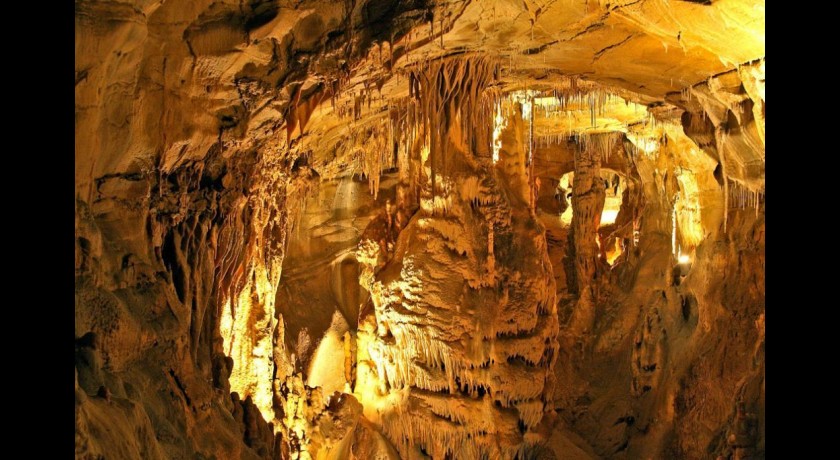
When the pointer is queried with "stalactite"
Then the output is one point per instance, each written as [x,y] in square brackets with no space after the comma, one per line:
[600,143]
[743,197]
[674,225]
[720,137]
[448,90]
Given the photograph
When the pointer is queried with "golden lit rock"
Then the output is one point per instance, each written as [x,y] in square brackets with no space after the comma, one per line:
[332,230]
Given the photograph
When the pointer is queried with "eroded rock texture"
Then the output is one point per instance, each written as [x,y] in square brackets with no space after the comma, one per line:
[454,359]
[374,229]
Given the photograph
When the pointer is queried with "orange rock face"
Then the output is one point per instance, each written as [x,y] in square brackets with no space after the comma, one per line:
[412,229]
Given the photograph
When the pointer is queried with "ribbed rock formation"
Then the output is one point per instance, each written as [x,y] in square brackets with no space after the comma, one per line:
[457,352]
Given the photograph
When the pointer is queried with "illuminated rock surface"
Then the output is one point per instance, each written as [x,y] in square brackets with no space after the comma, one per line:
[405,230]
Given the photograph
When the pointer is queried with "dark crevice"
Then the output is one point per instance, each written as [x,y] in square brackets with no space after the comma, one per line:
[180,387]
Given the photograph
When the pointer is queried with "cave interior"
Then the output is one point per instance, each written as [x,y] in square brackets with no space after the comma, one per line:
[463,229]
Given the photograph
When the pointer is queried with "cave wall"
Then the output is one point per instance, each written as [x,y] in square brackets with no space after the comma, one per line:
[185,190]
[674,363]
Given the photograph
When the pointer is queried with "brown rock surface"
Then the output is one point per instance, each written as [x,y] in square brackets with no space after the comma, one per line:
[331,229]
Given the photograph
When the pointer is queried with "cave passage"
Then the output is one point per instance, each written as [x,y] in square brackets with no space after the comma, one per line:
[417,229]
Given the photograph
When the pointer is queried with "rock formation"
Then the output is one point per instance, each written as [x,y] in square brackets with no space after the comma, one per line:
[466,229]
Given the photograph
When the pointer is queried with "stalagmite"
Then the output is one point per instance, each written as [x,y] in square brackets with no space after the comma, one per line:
[587,203]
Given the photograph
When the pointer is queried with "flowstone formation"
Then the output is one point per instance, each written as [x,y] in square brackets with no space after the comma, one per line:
[455,355]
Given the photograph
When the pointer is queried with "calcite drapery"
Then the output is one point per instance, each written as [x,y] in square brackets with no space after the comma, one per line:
[458,350]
